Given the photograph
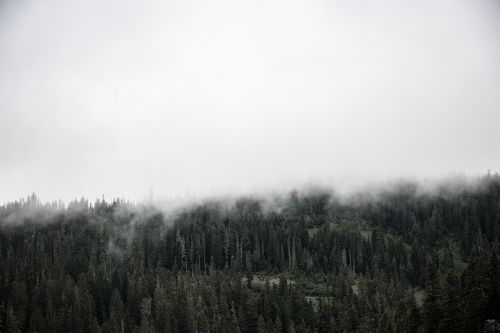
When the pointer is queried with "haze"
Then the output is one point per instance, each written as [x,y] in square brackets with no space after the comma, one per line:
[117,98]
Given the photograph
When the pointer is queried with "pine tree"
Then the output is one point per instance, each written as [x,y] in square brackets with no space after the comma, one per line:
[146,326]
[180,254]
[37,322]
[3,316]
[431,312]
[261,325]
[385,324]
[278,327]
[12,324]
[493,287]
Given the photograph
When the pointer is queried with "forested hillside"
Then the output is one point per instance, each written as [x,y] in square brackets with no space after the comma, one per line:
[403,259]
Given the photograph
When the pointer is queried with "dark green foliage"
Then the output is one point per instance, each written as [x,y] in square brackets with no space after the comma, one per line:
[401,261]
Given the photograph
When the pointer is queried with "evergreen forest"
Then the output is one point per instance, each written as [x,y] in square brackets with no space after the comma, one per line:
[403,258]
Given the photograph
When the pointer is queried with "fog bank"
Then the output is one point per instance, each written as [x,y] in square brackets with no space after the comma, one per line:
[183,98]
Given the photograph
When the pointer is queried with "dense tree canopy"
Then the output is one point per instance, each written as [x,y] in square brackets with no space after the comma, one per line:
[398,260]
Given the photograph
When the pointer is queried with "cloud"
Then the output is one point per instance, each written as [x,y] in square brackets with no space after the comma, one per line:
[116,97]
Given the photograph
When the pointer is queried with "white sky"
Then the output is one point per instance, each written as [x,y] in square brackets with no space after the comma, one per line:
[116,97]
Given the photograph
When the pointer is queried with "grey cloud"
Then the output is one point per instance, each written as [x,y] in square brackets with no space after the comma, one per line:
[117,97]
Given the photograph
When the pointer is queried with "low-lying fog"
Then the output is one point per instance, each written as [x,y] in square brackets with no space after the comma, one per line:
[196,98]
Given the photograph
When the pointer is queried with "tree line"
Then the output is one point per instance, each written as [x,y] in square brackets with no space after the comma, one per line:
[398,260]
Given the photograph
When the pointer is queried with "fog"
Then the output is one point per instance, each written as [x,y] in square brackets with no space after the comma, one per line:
[125,98]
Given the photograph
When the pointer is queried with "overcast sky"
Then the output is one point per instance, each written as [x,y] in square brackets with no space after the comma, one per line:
[118,97]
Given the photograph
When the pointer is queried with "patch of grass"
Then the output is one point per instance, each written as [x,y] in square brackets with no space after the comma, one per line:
[366,234]
[312,231]
[312,288]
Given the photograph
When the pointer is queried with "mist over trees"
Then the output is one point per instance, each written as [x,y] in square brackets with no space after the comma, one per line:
[404,259]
